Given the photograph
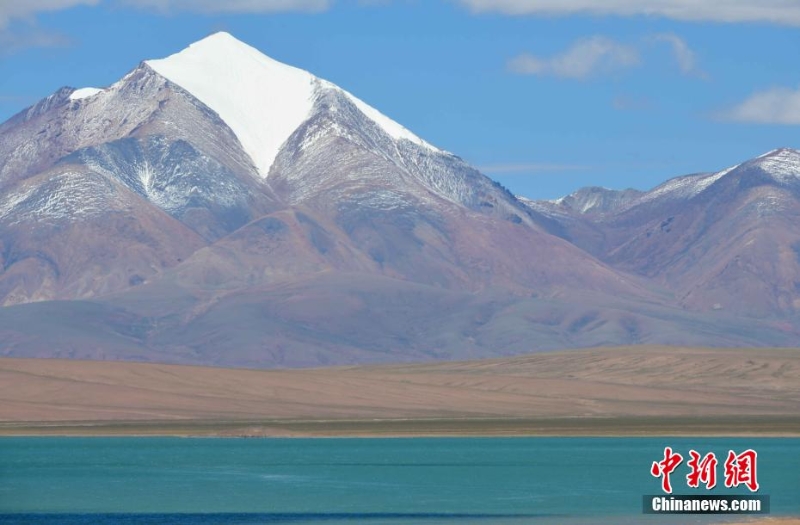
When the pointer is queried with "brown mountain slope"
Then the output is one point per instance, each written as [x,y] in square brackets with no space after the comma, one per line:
[724,241]
[71,234]
[136,221]
[360,243]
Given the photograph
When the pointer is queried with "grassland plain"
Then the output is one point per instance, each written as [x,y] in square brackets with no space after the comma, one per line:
[644,390]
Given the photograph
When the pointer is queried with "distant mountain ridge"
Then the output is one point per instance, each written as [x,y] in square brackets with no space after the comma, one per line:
[721,241]
[219,207]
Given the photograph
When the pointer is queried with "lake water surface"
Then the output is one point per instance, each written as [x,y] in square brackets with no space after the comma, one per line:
[363,481]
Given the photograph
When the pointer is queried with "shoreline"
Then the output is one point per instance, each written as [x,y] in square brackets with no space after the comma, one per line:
[764,427]
[778,520]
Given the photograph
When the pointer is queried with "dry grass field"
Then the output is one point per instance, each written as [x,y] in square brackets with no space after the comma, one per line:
[611,391]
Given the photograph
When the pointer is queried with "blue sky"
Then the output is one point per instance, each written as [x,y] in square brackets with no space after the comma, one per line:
[545,96]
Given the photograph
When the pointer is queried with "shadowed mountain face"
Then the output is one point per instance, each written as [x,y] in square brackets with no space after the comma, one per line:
[218,207]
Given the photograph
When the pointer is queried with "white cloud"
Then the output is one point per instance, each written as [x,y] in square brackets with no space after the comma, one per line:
[596,55]
[234,6]
[783,12]
[13,41]
[684,56]
[14,37]
[18,29]
[583,59]
[773,106]
[27,9]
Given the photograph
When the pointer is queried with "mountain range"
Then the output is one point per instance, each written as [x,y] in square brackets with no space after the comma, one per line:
[724,241]
[218,207]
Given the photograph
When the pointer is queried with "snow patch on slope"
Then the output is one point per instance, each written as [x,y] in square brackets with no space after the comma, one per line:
[392,128]
[548,208]
[68,196]
[685,187]
[80,94]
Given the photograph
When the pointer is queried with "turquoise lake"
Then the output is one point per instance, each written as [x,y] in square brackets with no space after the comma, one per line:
[363,481]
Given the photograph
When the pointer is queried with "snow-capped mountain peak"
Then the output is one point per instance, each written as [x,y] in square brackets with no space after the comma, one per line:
[782,164]
[262,100]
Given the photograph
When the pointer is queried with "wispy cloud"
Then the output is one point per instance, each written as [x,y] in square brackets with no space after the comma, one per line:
[27,9]
[18,28]
[684,55]
[12,41]
[585,58]
[778,105]
[529,167]
[233,6]
[782,12]
[598,55]
[24,33]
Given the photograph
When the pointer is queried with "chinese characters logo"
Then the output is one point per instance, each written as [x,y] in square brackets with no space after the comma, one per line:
[740,469]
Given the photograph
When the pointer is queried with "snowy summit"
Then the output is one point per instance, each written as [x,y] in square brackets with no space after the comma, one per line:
[262,100]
